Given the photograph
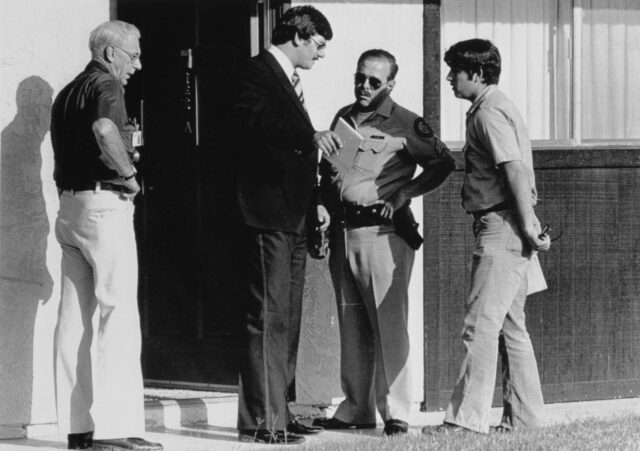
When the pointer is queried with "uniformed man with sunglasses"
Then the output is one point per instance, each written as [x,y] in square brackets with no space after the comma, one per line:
[374,242]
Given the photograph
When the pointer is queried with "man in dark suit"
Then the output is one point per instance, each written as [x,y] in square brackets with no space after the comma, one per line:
[276,156]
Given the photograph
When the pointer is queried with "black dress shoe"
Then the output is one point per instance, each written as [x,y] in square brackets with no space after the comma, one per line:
[118,444]
[269,437]
[80,440]
[334,423]
[395,427]
[296,427]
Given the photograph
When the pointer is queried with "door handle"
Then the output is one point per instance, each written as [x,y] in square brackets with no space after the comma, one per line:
[190,98]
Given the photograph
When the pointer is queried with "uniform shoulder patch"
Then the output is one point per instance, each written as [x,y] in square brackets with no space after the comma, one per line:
[422,129]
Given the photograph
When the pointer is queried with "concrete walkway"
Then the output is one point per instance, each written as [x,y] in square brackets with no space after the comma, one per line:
[200,424]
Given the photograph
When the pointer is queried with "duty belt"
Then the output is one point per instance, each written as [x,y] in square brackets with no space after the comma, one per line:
[358,216]
[96,186]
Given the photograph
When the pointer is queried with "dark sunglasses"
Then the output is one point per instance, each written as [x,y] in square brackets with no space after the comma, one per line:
[546,230]
[360,79]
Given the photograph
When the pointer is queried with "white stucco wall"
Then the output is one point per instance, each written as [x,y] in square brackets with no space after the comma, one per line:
[43,45]
[396,26]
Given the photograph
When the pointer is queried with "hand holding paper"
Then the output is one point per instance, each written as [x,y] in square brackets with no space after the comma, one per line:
[328,142]
[351,140]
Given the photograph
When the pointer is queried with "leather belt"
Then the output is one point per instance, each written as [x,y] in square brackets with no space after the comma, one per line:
[506,205]
[96,186]
[359,216]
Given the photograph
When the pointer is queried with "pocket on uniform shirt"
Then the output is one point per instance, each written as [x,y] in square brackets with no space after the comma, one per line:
[368,156]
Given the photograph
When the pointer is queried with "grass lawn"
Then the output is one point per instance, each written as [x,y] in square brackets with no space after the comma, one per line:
[620,433]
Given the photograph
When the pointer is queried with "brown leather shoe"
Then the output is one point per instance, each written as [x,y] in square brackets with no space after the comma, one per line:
[269,437]
[118,444]
[296,427]
[334,423]
[80,440]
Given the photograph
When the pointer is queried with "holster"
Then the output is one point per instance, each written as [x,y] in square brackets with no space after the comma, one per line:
[317,239]
[317,242]
[407,227]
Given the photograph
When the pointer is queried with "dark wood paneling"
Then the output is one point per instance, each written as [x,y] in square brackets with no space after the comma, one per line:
[431,112]
[586,327]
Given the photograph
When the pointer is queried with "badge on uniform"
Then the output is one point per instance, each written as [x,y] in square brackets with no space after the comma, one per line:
[136,138]
[422,129]
[136,134]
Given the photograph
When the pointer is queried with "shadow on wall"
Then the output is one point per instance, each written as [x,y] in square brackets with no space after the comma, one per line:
[24,227]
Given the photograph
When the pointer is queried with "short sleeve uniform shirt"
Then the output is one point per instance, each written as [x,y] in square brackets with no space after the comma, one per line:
[496,134]
[386,162]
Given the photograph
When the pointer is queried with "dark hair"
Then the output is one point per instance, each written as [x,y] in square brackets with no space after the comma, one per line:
[380,54]
[475,56]
[304,20]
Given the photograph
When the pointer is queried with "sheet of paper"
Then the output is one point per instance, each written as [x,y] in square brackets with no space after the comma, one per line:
[351,140]
[535,277]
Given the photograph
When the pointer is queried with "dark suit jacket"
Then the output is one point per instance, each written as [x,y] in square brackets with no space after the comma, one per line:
[275,160]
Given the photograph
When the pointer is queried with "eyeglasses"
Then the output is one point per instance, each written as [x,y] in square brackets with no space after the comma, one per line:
[133,56]
[319,45]
[360,79]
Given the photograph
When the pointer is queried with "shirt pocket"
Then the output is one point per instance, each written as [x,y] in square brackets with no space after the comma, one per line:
[369,155]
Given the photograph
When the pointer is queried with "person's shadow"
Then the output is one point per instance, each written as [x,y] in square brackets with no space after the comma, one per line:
[25,281]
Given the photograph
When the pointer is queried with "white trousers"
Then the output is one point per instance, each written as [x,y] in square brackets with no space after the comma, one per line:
[102,392]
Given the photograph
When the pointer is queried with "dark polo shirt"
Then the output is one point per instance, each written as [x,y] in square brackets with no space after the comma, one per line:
[92,95]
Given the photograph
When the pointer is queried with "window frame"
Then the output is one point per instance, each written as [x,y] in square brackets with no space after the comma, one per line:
[575,46]
[577,140]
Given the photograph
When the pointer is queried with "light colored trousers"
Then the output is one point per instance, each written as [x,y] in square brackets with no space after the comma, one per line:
[371,280]
[495,306]
[102,392]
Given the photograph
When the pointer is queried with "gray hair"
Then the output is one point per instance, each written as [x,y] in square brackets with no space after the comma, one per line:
[113,32]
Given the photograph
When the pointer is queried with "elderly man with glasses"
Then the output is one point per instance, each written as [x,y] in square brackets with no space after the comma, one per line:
[99,406]
[374,242]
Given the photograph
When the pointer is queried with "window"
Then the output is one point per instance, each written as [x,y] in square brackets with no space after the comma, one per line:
[571,67]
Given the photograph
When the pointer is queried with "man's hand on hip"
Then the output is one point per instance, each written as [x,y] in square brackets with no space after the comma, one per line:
[132,185]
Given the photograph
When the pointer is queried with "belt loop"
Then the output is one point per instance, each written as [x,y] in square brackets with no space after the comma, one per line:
[97,189]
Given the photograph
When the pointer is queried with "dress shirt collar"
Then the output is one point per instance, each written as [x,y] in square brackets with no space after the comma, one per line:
[283,60]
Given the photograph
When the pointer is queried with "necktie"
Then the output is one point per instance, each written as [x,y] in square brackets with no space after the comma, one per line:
[297,86]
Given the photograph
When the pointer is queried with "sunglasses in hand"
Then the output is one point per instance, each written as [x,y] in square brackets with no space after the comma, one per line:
[546,231]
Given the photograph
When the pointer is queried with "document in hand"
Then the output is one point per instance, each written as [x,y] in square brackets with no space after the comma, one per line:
[535,277]
[351,140]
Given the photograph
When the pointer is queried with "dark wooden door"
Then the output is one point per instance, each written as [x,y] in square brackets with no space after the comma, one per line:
[188,267]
